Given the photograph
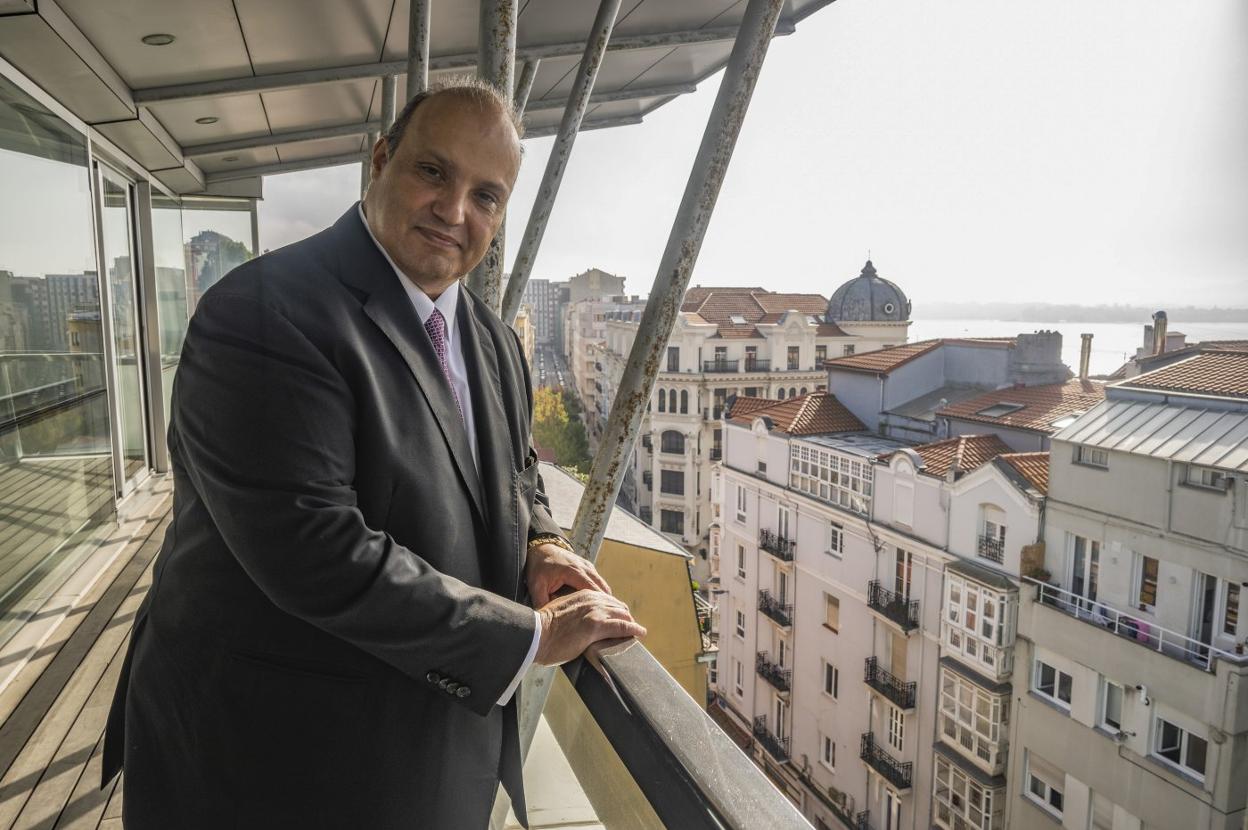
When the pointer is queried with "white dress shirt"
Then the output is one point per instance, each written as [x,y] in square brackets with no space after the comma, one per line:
[447,303]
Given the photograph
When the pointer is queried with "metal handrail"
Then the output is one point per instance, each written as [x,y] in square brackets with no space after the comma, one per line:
[899,691]
[1130,627]
[775,609]
[991,547]
[724,365]
[776,746]
[897,773]
[757,365]
[778,546]
[897,608]
[779,677]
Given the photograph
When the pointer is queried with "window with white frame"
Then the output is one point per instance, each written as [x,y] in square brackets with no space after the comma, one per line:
[896,728]
[740,560]
[831,680]
[835,544]
[973,719]
[1110,713]
[827,752]
[1052,683]
[964,804]
[1206,477]
[1180,748]
[738,679]
[1046,785]
[1091,456]
[741,503]
[741,624]
[979,623]
[827,476]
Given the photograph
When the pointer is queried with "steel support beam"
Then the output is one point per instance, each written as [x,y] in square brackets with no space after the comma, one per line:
[272,82]
[496,64]
[281,138]
[524,85]
[366,162]
[283,167]
[614,95]
[688,230]
[418,47]
[557,162]
[586,126]
[388,91]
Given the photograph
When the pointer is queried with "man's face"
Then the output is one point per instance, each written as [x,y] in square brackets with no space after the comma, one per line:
[436,204]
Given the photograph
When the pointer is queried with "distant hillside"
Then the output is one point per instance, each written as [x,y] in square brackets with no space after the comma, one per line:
[1058,313]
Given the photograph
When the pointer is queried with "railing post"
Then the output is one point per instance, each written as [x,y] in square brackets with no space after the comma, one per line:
[676,267]
[388,83]
[418,47]
[557,162]
[524,85]
[496,63]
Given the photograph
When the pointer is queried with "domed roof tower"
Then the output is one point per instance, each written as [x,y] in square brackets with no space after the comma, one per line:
[868,298]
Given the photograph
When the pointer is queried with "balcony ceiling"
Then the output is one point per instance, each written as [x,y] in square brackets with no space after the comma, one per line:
[90,57]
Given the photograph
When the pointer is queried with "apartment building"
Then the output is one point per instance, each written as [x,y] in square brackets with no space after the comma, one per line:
[587,328]
[866,596]
[1131,704]
[736,342]
[542,297]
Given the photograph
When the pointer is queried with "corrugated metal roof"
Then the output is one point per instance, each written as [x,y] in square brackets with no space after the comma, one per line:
[1186,434]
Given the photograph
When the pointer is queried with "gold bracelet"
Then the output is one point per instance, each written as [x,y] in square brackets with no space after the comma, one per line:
[550,538]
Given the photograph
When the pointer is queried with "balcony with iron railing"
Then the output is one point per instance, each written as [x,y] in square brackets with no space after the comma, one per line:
[756,365]
[776,746]
[897,773]
[720,366]
[778,546]
[991,548]
[893,606]
[717,453]
[1134,628]
[780,678]
[892,687]
[775,608]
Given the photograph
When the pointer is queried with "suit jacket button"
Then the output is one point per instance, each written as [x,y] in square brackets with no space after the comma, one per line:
[433,677]
[442,683]
[462,692]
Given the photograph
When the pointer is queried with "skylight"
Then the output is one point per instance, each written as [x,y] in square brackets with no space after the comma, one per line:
[997,410]
[737,320]
[1066,420]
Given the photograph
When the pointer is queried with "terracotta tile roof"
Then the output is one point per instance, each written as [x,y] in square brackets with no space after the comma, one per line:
[696,295]
[1213,373]
[750,306]
[817,413]
[830,330]
[883,361]
[742,405]
[1038,406]
[1032,466]
[968,452]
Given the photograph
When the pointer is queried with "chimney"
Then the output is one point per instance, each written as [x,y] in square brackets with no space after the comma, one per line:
[1085,356]
[1159,332]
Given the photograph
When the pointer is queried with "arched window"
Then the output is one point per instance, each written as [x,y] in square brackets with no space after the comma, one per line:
[684,401]
[792,391]
[780,393]
[662,401]
[671,400]
[803,390]
[673,442]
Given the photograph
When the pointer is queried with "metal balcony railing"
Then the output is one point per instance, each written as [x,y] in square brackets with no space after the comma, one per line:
[895,607]
[781,679]
[1130,627]
[778,546]
[900,692]
[716,453]
[991,547]
[897,773]
[775,609]
[647,477]
[757,365]
[776,746]
[720,365]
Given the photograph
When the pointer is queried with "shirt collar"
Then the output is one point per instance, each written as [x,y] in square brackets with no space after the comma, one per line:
[447,302]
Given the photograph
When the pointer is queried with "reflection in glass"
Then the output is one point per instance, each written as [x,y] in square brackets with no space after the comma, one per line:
[118,259]
[170,287]
[217,240]
[56,483]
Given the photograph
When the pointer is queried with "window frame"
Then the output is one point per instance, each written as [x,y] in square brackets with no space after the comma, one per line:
[827,758]
[829,601]
[741,571]
[1037,669]
[834,539]
[665,514]
[1086,455]
[1142,581]
[896,729]
[739,624]
[1102,706]
[1218,483]
[665,476]
[1184,746]
[831,677]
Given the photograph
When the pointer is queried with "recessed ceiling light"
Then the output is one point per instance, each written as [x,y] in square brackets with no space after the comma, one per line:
[230,158]
[158,39]
[207,119]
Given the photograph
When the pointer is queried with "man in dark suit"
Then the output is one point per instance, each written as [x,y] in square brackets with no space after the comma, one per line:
[339,617]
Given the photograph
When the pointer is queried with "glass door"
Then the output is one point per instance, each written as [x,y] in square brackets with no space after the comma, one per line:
[117,258]
[1085,571]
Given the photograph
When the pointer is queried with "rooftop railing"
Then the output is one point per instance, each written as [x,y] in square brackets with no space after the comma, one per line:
[778,546]
[892,605]
[899,691]
[723,365]
[897,773]
[991,547]
[1130,627]
[775,609]
[776,746]
[780,678]
[757,365]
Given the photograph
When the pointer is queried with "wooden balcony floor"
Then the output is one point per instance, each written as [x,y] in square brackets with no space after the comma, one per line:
[53,711]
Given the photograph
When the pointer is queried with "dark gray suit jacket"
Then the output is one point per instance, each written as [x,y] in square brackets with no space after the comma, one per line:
[338,603]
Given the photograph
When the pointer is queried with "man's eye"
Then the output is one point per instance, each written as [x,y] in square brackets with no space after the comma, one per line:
[487,199]
[431,171]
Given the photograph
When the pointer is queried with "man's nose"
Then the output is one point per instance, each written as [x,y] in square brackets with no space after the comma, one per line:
[451,205]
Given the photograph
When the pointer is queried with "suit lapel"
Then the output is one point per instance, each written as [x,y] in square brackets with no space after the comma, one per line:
[389,307]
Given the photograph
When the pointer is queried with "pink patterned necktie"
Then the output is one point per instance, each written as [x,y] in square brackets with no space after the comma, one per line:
[435,326]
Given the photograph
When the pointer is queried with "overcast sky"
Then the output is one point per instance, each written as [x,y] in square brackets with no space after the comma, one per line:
[1067,151]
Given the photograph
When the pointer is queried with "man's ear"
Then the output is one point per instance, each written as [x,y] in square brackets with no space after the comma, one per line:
[380,157]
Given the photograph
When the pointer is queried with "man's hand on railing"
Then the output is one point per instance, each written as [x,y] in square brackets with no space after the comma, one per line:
[573,622]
